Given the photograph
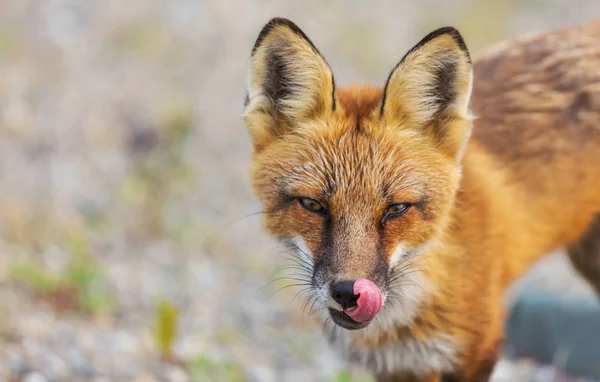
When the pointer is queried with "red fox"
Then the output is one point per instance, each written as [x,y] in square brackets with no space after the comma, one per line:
[411,208]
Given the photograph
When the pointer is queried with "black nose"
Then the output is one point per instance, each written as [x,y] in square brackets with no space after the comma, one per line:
[343,294]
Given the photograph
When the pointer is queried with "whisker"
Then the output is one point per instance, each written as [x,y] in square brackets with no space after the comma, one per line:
[285,287]
[404,274]
[292,278]
[299,262]
[390,302]
[405,283]
[335,329]
[304,282]
[244,217]
[307,255]
[325,326]
[301,293]
[306,303]
[316,299]
[304,267]
[295,267]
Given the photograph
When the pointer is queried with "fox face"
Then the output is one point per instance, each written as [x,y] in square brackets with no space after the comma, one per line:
[360,182]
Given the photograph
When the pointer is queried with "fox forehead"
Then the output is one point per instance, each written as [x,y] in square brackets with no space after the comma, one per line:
[353,151]
[354,162]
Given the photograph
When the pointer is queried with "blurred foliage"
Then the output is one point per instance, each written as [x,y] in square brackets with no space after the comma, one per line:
[226,335]
[166,322]
[35,277]
[7,41]
[342,377]
[348,377]
[160,174]
[204,369]
[81,285]
[142,39]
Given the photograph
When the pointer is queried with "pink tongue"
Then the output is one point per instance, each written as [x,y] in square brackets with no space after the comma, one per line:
[369,301]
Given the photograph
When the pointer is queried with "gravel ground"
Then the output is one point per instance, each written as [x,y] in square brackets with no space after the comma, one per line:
[123,183]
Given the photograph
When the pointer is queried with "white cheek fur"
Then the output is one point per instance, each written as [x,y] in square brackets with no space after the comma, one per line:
[399,253]
[303,251]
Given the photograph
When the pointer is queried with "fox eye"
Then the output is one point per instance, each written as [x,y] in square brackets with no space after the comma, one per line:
[396,210]
[312,205]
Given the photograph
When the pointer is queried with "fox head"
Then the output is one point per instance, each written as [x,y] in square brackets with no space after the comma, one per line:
[357,182]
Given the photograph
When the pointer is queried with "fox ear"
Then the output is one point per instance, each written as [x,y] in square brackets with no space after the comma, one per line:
[289,82]
[430,89]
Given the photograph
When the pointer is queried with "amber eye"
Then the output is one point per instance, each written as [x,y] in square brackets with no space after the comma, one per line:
[312,205]
[396,210]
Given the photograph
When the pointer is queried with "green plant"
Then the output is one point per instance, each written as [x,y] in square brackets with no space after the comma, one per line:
[160,174]
[342,377]
[85,277]
[166,322]
[35,277]
[205,369]
[348,377]
[80,286]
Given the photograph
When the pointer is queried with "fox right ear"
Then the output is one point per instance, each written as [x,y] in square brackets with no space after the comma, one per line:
[430,89]
[289,83]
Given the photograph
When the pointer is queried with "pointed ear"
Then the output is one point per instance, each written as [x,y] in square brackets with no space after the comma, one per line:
[430,90]
[289,82]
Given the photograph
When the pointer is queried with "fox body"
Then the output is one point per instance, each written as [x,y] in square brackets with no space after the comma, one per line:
[432,193]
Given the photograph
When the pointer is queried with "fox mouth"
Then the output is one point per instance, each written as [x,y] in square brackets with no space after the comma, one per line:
[361,301]
[341,319]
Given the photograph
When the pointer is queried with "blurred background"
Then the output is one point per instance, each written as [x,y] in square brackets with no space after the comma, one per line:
[129,245]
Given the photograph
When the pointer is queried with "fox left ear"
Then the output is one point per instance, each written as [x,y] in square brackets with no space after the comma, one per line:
[289,83]
[430,90]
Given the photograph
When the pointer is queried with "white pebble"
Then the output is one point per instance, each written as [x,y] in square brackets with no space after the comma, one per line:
[34,377]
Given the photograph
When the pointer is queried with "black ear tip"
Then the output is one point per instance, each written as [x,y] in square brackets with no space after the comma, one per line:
[452,32]
[279,21]
[274,22]
[446,30]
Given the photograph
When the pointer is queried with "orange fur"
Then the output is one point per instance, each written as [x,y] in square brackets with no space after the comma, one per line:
[483,206]
[359,101]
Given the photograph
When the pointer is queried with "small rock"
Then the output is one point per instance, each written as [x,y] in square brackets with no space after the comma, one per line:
[126,343]
[34,377]
[88,371]
[190,346]
[260,374]
[56,367]
[17,366]
[296,376]
[177,374]
[145,377]
[78,363]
